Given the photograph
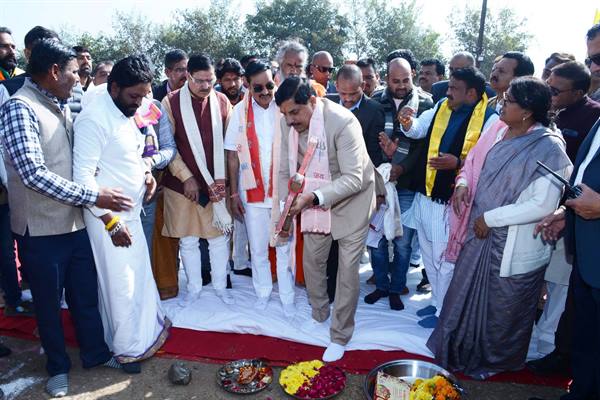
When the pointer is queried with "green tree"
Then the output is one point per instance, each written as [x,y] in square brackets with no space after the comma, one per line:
[391,27]
[504,31]
[318,24]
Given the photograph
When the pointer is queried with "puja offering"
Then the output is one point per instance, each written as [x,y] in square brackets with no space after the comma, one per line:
[245,376]
[425,381]
[312,380]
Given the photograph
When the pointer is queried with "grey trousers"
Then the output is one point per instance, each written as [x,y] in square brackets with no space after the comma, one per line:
[315,254]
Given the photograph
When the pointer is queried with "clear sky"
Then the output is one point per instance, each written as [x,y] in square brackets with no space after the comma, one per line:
[557,25]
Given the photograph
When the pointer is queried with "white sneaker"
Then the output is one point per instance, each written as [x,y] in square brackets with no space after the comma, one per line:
[289,309]
[225,297]
[188,298]
[334,352]
[261,303]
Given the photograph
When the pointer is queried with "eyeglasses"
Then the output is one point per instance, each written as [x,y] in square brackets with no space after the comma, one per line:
[197,81]
[323,69]
[261,88]
[555,91]
[593,59]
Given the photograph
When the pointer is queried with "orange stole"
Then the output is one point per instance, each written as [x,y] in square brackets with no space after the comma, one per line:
[164,256]
[299,248]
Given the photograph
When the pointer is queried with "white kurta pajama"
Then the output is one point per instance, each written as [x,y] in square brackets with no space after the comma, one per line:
[258,215]
[108,153]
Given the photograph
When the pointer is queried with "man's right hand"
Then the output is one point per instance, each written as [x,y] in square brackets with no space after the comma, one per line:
[551,226]
[191,190]
[237,208]
[113,199]
[405,117]
[388,145]
[460,197]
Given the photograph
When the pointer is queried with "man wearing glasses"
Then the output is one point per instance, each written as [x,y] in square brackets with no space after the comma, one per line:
[175,70]
[321,70]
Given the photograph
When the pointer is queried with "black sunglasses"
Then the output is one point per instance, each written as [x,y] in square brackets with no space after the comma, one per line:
[325,69]
[260,88]
[593,59]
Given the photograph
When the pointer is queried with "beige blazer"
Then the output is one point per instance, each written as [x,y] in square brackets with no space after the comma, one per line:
[351,193]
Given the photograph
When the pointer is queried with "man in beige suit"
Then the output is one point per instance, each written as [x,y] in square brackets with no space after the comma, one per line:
[336,203]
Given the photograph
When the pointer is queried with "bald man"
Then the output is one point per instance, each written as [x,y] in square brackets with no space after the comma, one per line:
[403,153]
[321,69]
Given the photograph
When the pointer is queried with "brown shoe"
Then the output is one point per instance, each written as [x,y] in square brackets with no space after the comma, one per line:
[371,280]
[404,291]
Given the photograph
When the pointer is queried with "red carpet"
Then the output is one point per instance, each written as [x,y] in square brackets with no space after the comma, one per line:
[215,347]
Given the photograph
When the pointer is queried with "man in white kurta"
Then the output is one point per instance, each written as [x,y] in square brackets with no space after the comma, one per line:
[108,151]
[257,213]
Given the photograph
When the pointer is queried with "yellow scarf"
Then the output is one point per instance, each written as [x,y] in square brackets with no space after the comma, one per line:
[440,124]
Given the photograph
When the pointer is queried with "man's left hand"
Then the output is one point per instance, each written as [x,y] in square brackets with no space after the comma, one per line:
[150,187]
[304,200]
[480,227]
[444,161]
[587,206]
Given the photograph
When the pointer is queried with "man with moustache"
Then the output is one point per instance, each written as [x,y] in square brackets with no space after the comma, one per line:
[370,75]
[403,153]
[292,56]
[84,60]
[8,55]
[229,77]
[432,71]
[175,69]
[336,202]
[512,65]
[252,145]
[449,130]
[321,69]
[108,151]
[194,193]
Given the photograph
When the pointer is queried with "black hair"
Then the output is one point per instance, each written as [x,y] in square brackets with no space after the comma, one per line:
[101,64]
[38,33]
[4,29]
[576,72]
[245,60]
[593,32]
[472,77]
[131,71]
[440,68]
[560,58]
[366,62]
[172,57]
[294,87]
[199,62]
[533,94]
[255,67]
[524,64]
[407,54]
[46,53]
[350,71]
[229,65]
[80,49]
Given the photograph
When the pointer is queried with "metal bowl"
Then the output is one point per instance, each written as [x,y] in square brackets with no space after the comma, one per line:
[409,371]
[228,374]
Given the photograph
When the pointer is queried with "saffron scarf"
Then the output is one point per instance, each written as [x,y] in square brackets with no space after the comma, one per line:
[440,124]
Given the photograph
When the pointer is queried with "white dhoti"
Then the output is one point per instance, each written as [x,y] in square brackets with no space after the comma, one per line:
[430,219]
[258,221]
[135,326]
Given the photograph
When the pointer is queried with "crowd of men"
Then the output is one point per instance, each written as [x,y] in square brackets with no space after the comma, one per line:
[109,184]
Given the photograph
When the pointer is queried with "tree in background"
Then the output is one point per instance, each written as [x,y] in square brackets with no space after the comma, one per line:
[504,31]
[318,24]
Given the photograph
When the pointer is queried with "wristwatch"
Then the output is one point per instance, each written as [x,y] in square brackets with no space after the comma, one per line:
[315,201]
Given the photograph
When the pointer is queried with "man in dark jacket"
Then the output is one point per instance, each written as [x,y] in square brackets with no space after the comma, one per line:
[175,70]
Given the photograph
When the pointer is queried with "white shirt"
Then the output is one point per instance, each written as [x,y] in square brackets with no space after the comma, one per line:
[589,157]
[108,153]
[264,123]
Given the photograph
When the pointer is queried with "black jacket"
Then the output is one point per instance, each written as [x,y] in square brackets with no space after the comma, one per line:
[160,91]
[14,84]
[371,116]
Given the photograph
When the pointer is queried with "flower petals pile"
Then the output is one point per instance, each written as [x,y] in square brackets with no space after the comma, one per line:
[436,388]
[312,380]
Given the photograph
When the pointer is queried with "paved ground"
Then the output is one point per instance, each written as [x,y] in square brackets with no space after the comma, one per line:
[22,376]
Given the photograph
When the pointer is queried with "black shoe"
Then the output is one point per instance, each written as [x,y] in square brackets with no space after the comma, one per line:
[132,367]
[373,297]
[424,286]
[371,280]
[246,272]
[415,265]
[395,302]
[4,351]
[206,278]
[229,285]
[553,363]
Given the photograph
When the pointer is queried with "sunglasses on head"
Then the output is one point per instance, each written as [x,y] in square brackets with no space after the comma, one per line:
[593,59]
[260,88]
[325,69]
